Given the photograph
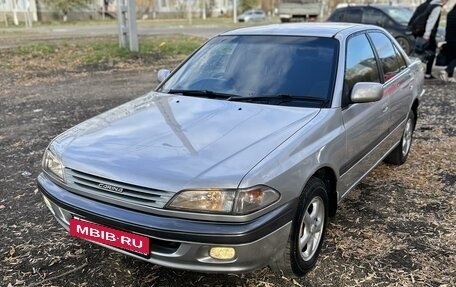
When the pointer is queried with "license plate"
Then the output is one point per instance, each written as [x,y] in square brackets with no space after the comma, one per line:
[109,236]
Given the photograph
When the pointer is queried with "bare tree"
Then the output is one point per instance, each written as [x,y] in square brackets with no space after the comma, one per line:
[249,4]
[64,6]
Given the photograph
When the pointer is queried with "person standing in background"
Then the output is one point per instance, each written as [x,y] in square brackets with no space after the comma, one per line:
[430,32]
[450,50]
[418,11]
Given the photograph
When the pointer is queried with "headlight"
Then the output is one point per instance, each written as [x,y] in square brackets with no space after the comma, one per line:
[228,201]
[213,200]
[52,164]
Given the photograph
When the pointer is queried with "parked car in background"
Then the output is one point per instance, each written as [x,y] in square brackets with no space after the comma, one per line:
[252,16]
[239,156]
[393,18]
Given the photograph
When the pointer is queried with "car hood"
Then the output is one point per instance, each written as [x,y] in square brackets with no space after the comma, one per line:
[172,142]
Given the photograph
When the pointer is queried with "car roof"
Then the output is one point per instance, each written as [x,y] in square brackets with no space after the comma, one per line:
[361,5]
[349,5]
[385,7]
[326,29]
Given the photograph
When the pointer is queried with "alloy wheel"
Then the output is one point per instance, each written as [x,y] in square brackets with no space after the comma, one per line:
[311,228]
[407,137]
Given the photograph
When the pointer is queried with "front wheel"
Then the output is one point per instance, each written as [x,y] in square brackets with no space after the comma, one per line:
[400,153]
[307,233]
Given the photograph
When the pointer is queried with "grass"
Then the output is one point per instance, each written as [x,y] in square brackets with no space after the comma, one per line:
[35,50]
[210,21]
[103,53]
[225,21]
[158,47]
[57,23]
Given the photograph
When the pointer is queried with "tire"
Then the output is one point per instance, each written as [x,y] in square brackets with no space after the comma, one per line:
[400,153]
[301,254]
[405,44]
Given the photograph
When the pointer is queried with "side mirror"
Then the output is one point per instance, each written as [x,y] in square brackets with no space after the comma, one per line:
[163,74]
[364,92]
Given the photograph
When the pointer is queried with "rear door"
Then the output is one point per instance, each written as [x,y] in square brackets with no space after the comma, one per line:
[398,81]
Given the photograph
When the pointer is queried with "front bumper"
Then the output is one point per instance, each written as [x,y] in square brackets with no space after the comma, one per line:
[181,243]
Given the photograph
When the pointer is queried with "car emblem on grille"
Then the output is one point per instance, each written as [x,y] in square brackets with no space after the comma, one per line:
[110,187]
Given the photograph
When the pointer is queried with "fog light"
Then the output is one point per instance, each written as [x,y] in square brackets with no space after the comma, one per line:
[48,204]
[223,253]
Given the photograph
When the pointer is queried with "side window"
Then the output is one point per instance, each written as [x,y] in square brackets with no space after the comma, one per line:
[360,65]
[353,15]
[400,59]
[391,61]
[338,15]
[374,17]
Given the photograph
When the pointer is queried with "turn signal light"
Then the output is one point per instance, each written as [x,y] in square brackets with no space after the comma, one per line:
[48,204]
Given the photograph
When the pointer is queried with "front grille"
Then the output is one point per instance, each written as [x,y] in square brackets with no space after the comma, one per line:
[124,193]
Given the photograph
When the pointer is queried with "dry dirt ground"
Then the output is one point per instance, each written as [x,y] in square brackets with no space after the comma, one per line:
[397,228]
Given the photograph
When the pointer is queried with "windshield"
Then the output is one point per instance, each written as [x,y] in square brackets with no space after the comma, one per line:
[401,15]
[254,66]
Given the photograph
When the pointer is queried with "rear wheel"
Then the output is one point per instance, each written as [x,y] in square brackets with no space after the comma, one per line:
[399,154]
[405,44]
[309,226]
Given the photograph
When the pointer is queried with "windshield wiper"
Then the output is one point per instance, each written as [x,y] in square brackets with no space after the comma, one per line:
[281,97]
[202,93]
[236,98]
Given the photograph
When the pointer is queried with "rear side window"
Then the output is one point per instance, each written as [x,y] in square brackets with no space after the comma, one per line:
[360,66]
[391,61]
[354,15]
[338,15]
[400,59]
[374,17]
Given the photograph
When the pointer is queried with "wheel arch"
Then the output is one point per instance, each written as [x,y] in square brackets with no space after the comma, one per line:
[328,176]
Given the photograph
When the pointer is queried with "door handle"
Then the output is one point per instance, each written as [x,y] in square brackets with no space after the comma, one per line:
[385,109]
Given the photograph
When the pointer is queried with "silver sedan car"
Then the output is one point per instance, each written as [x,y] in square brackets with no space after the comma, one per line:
[252,16]
[239,156]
